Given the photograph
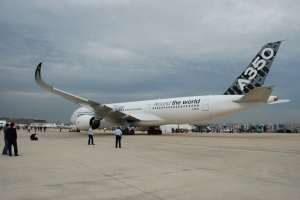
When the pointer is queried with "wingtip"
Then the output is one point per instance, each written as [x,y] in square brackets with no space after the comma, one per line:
[38,71]
[39,65]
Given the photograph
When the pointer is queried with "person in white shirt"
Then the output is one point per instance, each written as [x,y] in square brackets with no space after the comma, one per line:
[90,131]
[118,134]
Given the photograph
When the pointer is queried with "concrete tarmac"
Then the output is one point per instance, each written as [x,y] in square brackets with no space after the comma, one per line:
[169,166]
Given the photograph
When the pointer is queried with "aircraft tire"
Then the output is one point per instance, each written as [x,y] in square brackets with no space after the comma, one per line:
[126,131]
[131,132]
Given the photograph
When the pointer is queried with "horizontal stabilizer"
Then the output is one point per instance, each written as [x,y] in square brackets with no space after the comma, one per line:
[280,101]
[260,95]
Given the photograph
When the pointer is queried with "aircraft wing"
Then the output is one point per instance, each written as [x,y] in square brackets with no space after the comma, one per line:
[91,105]
[121,118]
[100,110]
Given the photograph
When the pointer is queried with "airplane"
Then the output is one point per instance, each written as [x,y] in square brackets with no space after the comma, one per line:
[246,92]
[49,125]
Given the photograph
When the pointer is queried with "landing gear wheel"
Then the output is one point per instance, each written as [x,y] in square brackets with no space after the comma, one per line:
[131,132]
[154,131]
[126,131]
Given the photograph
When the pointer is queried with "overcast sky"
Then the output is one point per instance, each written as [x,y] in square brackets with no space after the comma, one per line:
[113,51]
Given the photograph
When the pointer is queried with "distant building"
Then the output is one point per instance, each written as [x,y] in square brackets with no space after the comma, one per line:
[281,127]
[22,120]
[273,127]
[39,121]
[245,126]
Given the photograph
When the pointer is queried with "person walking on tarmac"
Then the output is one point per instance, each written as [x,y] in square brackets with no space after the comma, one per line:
[118,134]
[90,131]
[12,139]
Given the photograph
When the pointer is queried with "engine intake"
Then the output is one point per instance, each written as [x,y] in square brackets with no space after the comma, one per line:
[85,121]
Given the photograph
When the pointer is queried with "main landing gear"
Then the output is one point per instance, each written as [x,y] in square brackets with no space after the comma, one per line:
[154,131]
[128,131]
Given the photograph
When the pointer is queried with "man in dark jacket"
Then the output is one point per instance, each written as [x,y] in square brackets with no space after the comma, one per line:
[33,137]
[11,135]
[5,149]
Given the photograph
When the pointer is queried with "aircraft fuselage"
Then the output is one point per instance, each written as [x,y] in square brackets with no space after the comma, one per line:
[178,110]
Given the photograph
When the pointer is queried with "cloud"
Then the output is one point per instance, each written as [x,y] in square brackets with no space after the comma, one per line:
[116,51]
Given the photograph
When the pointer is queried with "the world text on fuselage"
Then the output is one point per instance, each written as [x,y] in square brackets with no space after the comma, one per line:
[175,102]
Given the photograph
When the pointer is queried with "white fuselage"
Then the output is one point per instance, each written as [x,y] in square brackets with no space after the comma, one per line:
[183,110]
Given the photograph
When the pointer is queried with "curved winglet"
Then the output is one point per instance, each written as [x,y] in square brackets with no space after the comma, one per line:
[39,80]
[38,72]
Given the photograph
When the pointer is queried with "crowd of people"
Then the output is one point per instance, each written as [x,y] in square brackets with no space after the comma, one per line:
[10,138]
[37,128]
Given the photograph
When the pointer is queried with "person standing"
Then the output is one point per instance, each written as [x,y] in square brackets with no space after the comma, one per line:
[5,148]
[12,139]
[90,131]
[118,134]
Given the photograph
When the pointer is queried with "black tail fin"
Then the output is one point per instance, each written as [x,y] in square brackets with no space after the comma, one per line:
[256,72]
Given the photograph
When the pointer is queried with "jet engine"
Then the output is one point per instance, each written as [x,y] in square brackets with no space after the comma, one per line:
[85,121]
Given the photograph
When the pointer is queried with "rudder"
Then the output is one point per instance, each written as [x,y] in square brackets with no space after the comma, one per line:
[256,72]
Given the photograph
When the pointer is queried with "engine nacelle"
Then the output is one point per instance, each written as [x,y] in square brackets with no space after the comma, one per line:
[85,121]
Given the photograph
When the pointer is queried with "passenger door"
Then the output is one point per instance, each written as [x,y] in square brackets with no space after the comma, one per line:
[205,105]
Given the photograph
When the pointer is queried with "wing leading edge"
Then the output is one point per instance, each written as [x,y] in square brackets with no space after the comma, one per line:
[100,110]
[91,105]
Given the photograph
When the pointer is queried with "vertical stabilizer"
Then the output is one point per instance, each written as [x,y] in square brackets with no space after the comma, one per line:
[256,72]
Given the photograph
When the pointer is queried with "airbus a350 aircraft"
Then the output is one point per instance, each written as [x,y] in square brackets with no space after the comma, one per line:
[245,93]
